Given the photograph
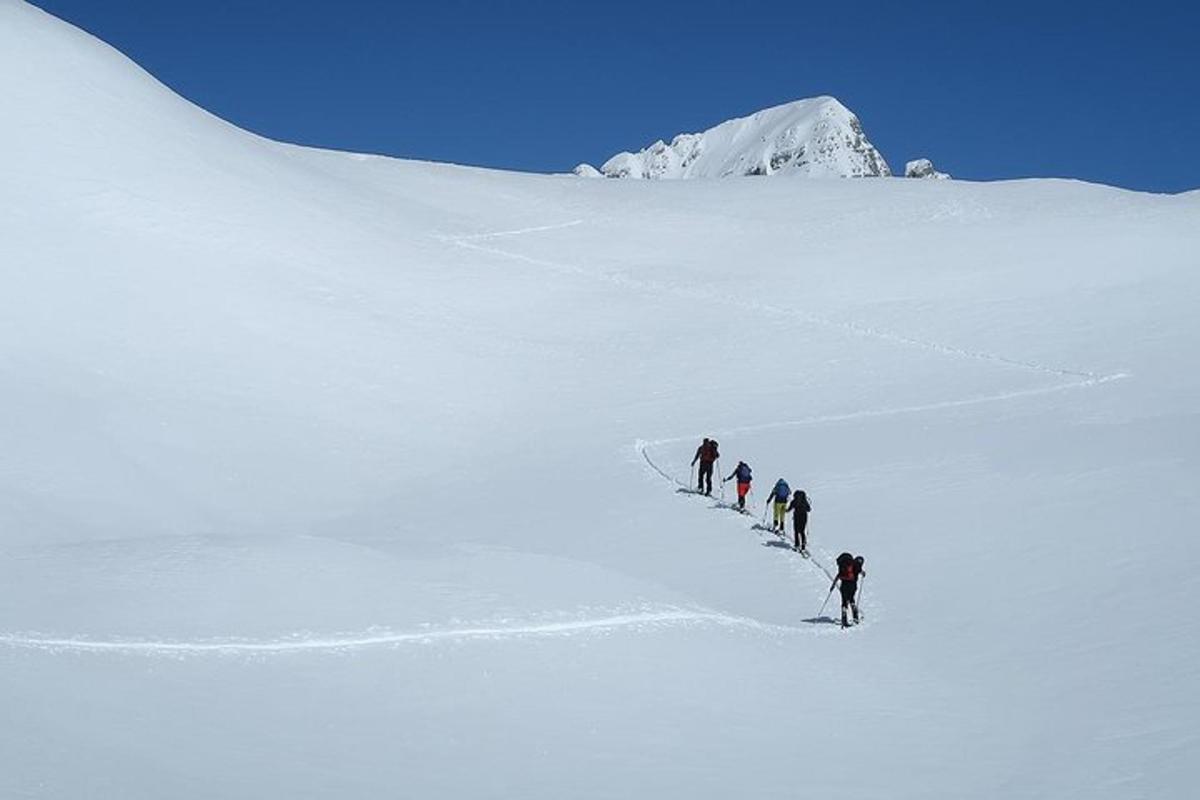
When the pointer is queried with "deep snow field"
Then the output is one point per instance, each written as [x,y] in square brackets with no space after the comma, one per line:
[331,476]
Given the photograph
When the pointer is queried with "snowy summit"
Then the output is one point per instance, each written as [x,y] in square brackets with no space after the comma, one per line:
[818,137]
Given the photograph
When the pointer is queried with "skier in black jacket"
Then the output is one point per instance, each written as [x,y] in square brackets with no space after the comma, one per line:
[850,568]
[707,454]
[800,508]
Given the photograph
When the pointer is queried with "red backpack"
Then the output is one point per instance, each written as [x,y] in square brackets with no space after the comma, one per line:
[847,569]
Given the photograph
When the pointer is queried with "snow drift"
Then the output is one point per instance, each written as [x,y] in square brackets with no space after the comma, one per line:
[326,475]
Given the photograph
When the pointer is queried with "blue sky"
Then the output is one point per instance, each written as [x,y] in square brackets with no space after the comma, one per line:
[1102,91]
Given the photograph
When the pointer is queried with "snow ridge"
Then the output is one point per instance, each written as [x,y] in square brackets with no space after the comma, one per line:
[648,619]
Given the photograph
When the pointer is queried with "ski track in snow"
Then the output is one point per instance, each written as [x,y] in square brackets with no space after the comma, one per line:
[699,293]
[938,405]
[1080,379]
[516,232]
[642,620]
[651,619]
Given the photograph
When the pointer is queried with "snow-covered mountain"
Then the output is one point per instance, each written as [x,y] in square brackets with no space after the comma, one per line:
[326,475]
[815,137]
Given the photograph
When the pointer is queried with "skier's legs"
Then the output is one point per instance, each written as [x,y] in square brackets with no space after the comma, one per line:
[706,473]
[849,589]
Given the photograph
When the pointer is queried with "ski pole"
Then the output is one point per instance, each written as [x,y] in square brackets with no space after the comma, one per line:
[719,471]
[831,588]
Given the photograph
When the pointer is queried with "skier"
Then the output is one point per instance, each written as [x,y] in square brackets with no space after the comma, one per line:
[743,475]
[849,571]
[707,454]
[800,508]
[779,496]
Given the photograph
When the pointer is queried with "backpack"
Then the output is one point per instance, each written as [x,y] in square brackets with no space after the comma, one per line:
[846,567]
[803,503]
[743,473]
[714,453]
[782,490]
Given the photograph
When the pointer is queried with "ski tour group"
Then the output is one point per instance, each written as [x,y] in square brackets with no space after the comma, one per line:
[781,500]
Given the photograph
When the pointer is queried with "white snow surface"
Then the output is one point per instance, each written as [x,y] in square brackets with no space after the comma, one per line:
[330,476]
[817,137]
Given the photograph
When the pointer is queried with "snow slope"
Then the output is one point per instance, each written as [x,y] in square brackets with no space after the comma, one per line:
[327,475]
[816,137]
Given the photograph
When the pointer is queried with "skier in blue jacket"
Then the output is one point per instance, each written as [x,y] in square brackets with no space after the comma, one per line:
[779,496]
[743,475]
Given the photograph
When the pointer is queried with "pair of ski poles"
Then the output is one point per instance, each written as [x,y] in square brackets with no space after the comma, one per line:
[857,597]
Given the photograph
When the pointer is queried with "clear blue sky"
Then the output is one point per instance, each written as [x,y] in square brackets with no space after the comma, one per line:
[1103,91]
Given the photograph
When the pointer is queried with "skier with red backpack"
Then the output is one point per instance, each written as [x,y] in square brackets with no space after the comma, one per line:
[850,569]
[707,454]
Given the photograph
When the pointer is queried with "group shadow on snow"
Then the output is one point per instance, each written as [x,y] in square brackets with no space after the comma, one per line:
[780,544]
[762,527]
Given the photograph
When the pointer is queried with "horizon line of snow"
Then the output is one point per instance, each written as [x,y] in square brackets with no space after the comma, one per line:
[669,617]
